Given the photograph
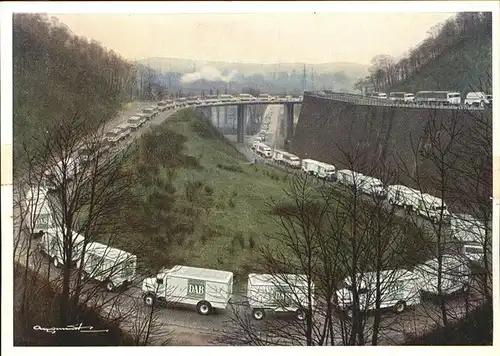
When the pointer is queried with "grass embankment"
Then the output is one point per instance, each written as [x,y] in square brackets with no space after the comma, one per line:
[215,212]
[198,201]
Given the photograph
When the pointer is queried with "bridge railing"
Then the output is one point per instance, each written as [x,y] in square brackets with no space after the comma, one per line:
[363,100]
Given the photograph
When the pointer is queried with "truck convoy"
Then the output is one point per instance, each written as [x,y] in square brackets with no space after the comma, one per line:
[204,288]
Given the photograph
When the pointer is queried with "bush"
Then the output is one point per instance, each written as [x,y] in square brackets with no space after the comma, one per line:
[230,167]
[240,239]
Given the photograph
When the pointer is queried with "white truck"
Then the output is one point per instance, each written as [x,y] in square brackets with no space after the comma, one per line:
[398,290]
[310,166]
[134,122]
[372,186]
[287,159]
[470,233]
[39,215]
[67,168]
[476,99]
[326,171]
[149,112]
[205,288]
[431,207]
[279,293]
[112,266]
[349,178]
[113,136]
[263,150]
[455,275]
[124,131]
[401,195]
[52,245]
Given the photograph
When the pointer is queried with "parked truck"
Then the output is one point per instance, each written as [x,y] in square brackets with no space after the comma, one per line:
[279,293]
[326,171]
[207,289]
[39,216]
[52,245]
[109,265]
[398,290]
[470,233]
[310,166]
[372,186]
[263,150]
[430,207]
[455,275]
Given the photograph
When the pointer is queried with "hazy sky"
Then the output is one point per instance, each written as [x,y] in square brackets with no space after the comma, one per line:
[257,38]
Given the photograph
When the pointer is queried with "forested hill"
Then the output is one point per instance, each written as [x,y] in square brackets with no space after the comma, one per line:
[58,75]
[457,55]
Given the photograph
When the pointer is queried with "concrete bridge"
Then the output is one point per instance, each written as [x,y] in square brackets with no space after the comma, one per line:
[241,107]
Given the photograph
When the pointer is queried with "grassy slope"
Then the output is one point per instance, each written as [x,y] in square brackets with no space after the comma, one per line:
[241,199]
[466,67]
[236,220]
[236,215]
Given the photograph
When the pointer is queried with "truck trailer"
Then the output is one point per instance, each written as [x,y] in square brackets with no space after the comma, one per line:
[207,289]
[279,293]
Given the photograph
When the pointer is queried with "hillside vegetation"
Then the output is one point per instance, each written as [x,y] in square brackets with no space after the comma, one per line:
[457,55]
[197,201]
[57,76]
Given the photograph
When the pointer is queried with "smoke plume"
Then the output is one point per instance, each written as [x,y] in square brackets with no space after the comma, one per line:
[210,74]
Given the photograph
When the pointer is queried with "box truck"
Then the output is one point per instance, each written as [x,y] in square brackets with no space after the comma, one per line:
[349,178]
[39,213]
[372,186]
[401,195]
[326,171]
[52,245]
[263,150]
[431,207]
[109,265]
[455,275]
[470,233]
[310,166]
[204,288]
[399,289]
[279,293]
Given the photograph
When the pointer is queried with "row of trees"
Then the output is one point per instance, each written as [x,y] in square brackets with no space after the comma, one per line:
[387,72]
[89,203]
[57,74]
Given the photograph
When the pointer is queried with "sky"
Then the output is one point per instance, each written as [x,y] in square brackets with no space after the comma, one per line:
[257,38]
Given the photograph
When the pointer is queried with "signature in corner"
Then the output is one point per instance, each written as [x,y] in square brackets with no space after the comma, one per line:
[76,327]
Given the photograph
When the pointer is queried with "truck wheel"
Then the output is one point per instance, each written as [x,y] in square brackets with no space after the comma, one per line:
[204,308]
[110,287]
[481,104]
[400,306]
[149,300]
[465,288]
[258,314]
[300,315]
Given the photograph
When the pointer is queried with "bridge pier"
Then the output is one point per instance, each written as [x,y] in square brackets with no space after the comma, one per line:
[240,124]
[288,121]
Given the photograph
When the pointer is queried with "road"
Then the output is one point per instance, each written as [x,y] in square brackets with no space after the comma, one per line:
[203,330]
